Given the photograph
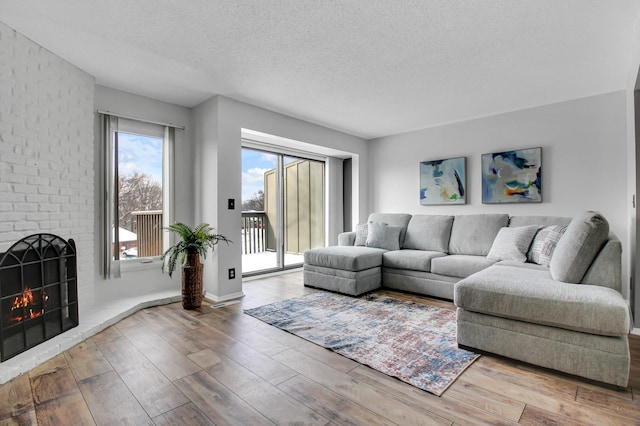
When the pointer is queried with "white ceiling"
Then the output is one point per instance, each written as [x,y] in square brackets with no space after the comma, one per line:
[367,67]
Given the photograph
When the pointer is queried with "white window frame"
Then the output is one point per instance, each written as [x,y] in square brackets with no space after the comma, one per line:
[112,124]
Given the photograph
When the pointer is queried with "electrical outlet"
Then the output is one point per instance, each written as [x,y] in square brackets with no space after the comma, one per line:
[232,273]
[232,204]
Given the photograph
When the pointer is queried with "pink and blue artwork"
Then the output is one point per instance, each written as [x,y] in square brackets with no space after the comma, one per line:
[443,181]
[512,176]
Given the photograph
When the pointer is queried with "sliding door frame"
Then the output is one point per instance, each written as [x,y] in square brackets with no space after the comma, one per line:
[280,154]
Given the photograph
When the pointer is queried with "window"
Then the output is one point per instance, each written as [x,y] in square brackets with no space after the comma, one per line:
[137,185]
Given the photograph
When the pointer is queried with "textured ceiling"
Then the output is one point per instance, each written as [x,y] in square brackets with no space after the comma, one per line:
[367,67]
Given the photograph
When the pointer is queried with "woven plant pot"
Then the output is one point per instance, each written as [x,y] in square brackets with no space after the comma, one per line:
[192,282]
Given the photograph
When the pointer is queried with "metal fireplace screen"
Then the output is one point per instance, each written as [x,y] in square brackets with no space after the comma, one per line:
[38,292]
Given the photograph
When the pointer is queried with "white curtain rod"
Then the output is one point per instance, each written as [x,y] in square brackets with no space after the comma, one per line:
[140,119]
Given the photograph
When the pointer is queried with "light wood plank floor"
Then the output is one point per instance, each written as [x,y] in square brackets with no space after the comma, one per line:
[168,366]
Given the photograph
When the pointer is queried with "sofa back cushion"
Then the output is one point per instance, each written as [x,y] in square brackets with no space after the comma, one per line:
[393,219]
[541,221]
[578,247]
[474,234]
[428,232]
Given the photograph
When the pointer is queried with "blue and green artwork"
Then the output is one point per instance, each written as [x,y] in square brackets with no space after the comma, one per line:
[512,176]
[443,181]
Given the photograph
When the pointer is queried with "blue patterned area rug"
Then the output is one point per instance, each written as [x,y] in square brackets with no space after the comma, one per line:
[412,342]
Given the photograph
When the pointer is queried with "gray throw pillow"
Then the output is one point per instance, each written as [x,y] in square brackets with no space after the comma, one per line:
[549,244]
[383,236]
[361,234]
[578,247]
[512,243]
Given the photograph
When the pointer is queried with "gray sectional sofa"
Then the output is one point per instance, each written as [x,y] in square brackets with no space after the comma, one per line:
[540,289]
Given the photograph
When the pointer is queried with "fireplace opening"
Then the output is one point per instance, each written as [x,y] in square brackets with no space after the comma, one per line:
[38,292]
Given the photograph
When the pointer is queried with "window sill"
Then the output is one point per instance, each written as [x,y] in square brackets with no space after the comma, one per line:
[142,264]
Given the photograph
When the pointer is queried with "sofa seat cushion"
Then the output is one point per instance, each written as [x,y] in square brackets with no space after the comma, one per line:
[348,258]
[460,265]
[534,296]
[414,260]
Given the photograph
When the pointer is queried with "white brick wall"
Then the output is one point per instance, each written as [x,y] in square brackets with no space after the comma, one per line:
[46,150]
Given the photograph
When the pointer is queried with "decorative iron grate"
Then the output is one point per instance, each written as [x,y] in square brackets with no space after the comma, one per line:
[38,292]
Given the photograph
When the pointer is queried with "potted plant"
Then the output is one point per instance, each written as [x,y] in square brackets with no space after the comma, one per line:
[193,243]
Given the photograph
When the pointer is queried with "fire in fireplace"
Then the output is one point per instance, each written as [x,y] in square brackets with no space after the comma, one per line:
[38,292]
[26,306]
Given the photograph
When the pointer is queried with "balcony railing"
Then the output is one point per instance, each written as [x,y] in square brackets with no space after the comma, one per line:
[254,232]
[149,232]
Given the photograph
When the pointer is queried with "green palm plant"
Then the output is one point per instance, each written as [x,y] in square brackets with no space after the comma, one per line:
[192,241]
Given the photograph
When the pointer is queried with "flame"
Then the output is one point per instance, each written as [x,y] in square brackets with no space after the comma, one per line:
[25,303]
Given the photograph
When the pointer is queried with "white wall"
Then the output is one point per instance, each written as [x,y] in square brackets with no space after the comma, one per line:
[633,161]
[218,126]
[46,150]
[140,279]
[584,161]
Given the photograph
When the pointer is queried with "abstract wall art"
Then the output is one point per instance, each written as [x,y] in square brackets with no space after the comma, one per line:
[512,176]
[443,182]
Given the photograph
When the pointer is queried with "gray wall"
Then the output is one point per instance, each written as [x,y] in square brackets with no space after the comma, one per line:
[584,161]
[218,127]
[633,154]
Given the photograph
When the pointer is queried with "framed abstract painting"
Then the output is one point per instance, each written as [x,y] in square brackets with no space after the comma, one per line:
[443,182]
[512,176]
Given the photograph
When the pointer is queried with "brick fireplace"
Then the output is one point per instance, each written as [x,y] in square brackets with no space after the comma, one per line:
[38,292]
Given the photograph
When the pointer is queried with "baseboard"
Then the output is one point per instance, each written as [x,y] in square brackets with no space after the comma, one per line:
[271,274]
[636,331]
[216,299]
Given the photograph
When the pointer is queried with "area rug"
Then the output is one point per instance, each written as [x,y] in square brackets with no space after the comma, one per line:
[412,342]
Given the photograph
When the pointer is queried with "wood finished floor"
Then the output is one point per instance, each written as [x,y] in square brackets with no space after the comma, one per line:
[168,366]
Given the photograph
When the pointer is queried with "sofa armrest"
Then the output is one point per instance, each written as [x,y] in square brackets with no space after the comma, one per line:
[346,238]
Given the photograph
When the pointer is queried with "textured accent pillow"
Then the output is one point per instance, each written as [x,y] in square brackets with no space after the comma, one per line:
[362,229]
[383,236]
[533,255]
[512,243]
[549,244]
[580,244]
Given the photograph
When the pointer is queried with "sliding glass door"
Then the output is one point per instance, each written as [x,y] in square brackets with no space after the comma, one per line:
[282,210]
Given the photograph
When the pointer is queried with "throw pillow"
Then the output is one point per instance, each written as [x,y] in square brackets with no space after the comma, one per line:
[533,255]
[512,243]
[361,234]
[383,236]
[580,244]
[549,244]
